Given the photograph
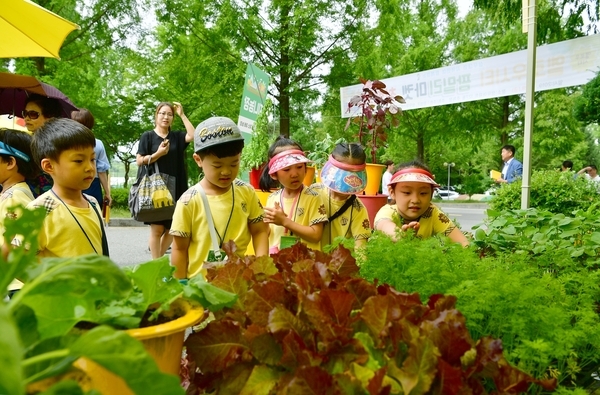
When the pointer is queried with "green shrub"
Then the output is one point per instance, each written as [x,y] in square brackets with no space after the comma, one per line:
[119,197]
[557,192]
[546,319]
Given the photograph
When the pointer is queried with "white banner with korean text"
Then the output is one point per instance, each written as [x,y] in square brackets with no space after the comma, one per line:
[559,65]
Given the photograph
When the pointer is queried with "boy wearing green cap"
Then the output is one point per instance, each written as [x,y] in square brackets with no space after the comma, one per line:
[220,207]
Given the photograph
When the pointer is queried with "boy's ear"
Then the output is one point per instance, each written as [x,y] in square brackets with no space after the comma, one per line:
[46,166]
[11,163]
[197,159]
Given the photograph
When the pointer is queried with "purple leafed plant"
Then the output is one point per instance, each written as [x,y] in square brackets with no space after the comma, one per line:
[305,322]
[378,112]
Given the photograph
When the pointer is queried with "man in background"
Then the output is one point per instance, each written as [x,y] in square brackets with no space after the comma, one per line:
[513,169]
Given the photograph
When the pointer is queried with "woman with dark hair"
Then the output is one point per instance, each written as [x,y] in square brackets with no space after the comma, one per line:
[85,117]
[38,110]
[167,148]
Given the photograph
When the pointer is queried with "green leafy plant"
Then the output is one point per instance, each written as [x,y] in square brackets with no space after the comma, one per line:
[323,148]
[378,112]
[255,154]
[120,198]
[40,325]
[557,192]
[305,323]
[546,318]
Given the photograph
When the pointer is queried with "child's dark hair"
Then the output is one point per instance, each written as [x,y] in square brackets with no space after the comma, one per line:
[20,141]
[231,148]
[58,135]
[354,152]
[413,164]
[266,183]
[50,107]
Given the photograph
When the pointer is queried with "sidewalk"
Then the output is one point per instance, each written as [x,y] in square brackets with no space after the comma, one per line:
[130,222]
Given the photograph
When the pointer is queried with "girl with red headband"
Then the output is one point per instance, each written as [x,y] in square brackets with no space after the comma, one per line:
[293,212]
[343,176]
[412,189]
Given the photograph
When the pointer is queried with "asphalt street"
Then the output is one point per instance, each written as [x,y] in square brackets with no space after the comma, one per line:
[129,244]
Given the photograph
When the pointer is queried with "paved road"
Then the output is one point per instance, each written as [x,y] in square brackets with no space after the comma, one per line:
[465,217]
[129,244]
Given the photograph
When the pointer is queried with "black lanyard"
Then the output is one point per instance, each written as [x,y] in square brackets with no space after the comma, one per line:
[341,210]
[230,214]
[104,239]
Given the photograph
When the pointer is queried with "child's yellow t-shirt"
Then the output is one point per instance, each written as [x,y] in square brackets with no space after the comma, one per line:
[232,212]
[354,222]
[309,210]
[60,235]
[13,196]
[431,223]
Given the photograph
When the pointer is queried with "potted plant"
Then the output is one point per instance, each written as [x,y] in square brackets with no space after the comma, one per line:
[255,154]
[376,112]
[79,317]
[305,322]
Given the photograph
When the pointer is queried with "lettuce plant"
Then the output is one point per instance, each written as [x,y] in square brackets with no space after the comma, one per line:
[38,325]
[305,322]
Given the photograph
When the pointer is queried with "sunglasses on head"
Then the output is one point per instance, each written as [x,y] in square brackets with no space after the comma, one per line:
[31,114]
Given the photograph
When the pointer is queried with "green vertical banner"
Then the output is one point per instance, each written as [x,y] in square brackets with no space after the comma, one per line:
[256,84]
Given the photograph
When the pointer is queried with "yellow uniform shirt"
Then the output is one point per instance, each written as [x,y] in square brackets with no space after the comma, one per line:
[354,222]
[13,196]
[309,210]
[60,235]
[431,223]
[190,220]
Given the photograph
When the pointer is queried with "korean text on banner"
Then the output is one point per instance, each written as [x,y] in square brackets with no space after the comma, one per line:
[256,84]
[559,65]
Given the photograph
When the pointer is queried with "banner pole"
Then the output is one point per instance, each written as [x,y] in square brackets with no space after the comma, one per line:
[529,102]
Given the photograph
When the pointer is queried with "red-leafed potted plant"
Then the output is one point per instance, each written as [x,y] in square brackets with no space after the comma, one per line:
[305,322]
[376,113]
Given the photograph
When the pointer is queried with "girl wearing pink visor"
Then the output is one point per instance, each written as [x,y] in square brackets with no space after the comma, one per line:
[293,212]
[343,176]
[412,188]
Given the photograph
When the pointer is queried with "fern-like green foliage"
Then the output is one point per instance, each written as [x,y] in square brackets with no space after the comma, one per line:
[544,313]
[557,192]
[255,154]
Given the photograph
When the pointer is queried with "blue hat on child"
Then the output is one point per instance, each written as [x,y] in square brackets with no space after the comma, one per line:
[6,149]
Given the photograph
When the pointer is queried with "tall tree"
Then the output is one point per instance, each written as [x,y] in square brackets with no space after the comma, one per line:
[293,41]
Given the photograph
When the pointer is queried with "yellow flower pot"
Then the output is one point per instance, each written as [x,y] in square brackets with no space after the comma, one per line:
[310,175]
[374,173]
[164,342]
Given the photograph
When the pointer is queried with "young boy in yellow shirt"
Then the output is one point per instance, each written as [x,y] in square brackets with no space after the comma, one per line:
[233,206]
[73,225]
[16,165]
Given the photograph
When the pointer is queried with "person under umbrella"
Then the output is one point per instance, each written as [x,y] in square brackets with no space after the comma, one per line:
[40,109]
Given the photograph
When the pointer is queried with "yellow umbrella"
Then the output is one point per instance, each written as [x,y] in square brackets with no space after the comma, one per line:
[27,30]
